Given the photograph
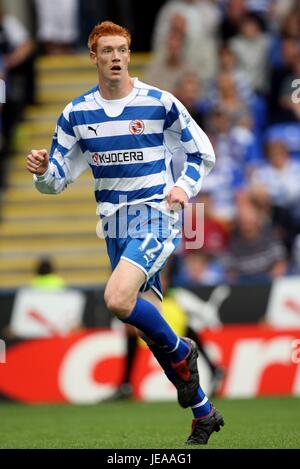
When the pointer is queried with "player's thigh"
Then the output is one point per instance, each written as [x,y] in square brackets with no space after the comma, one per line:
[124,284]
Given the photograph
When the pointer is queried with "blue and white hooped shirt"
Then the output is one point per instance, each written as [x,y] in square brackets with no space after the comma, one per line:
[128,145]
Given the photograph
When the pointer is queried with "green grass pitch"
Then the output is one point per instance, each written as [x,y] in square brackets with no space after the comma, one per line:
[249,423]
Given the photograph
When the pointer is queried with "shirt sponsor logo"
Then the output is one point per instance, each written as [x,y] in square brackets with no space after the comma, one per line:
[118,157]
[137,127]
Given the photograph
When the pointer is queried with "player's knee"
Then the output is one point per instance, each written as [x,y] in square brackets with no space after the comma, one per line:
[118,304]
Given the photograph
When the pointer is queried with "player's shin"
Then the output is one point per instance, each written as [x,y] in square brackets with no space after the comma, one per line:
[148,319]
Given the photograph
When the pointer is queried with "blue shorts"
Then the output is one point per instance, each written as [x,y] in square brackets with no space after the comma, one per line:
[143,236]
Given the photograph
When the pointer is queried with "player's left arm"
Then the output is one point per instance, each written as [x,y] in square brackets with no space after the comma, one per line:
[181,130]
[176,197]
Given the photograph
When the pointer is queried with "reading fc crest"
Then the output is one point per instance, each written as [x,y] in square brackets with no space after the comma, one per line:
[137,127]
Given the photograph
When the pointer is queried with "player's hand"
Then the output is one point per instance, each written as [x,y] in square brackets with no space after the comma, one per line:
[177,198]
[37,161]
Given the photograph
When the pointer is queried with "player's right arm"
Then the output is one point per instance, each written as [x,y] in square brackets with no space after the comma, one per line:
[52,173]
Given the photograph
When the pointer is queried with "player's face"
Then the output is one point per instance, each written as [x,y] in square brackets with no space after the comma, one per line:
[112,58]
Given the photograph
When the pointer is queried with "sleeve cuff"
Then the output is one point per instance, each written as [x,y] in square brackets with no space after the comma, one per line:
[41,177]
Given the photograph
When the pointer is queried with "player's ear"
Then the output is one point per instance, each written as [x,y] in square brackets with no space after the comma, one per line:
[129,55]
[93,57]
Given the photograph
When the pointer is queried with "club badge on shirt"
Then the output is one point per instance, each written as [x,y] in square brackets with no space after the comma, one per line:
[137,127]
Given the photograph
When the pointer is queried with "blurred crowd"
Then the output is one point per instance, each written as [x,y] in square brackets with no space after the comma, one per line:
[235,65]
[29,28]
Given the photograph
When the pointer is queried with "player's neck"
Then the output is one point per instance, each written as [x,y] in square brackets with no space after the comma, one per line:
[116,90]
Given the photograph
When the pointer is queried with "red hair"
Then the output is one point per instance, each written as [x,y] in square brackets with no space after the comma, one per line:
[107,28]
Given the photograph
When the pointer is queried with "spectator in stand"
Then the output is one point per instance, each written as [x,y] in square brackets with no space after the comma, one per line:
[46,308]
[17,53]
[287,53]
[259,6]
[188,89]
[236,156]
[200,216]
[251,47]
[277,12]
[200,268]
[57,23]
[288,28]
[291,23]
[166,71]
[296,256]
[16,46]
[276,184]
[255,255]
[199,20]
[223,93]
[228,64]
[288,133]
[287,104]
[46,276]
[229,99]
[235,10]
[256,103]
